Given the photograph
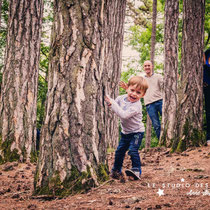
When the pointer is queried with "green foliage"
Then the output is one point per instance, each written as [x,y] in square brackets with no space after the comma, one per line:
[180,6]
[3,30]
[44,58]
[42,84]
[160,5]
[4,11]
[125,76]
[44,61]
[3,35]
[140,40]
[207,24]
[146,6]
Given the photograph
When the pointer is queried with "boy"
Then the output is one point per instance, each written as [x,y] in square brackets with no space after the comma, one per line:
[128,107]
[153,99]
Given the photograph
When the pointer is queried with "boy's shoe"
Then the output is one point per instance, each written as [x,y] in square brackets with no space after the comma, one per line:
[208,142]
[135,174]
[117,175]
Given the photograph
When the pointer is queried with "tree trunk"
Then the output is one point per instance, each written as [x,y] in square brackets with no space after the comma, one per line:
[153,36]
[190,110]
[170,71]
[152,56]
[85,64]
[19,85]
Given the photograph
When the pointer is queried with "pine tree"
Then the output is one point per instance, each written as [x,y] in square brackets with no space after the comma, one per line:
[85,62]
[19,83]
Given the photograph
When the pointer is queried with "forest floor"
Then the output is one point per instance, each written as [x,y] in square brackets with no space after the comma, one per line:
[169,181]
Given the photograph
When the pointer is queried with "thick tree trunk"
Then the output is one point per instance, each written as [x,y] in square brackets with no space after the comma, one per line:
[170,71]
[85,65]
[19,85]
[190,110]
[152,56]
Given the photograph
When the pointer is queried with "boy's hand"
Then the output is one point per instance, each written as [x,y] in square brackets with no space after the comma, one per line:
[123,85]
[108,100]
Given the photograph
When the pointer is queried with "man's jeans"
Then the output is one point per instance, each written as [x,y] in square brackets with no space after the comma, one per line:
[132,143]
[154,110]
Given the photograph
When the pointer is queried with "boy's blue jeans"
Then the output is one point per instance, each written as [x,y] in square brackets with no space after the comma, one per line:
[154,110]
[132,143]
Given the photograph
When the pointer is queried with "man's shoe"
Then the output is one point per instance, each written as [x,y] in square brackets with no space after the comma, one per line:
[208,142]
[135,174]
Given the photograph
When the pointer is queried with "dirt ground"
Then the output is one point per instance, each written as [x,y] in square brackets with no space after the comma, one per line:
[169,181]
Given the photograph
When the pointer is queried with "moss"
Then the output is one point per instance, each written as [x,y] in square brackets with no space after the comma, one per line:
[33,156]
[23,153]
[163,139]
[110,150]
[50,188]
[190,137]
[102,173]
[42,191]
[1,160]
[76,183]
[174,145]
[193,135]
[55,185]
[197,137]
[8,155]
[36,176]
[181,146]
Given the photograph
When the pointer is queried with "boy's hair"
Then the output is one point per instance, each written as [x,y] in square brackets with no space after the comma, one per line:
[139,82]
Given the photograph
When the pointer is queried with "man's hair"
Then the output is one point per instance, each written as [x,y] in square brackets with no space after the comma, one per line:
[139,82]
[148,61]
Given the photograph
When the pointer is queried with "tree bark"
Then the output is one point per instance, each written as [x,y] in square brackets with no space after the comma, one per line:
[85,62]
[190,110]
[153,36]
[170,71]
[152,56]
[19,84]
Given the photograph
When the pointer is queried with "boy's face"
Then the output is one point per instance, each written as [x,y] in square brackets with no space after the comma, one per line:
[134,94]
[148,68]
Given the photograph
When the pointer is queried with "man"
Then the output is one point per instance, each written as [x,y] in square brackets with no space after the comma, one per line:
[153,98]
